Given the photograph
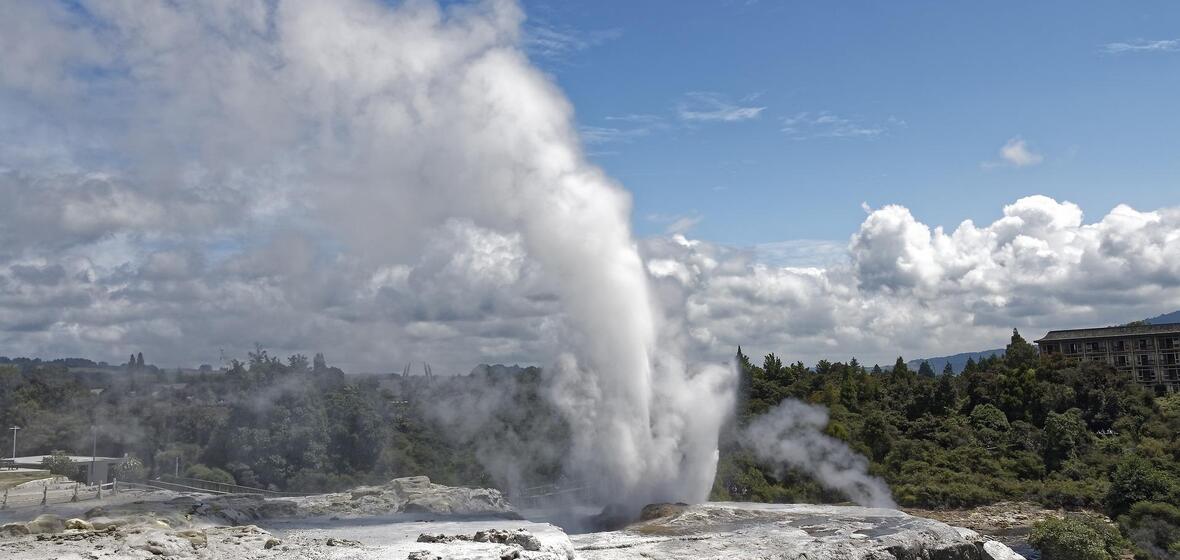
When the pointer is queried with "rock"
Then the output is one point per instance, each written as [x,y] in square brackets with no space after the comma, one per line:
[271,543]
[341,542]
[783,531]
[411,495]
[993,550]
[46,523]
[13,530]
[198,538]
[423,555]
[103,523]
[79,525]
[161,544]
[655,511]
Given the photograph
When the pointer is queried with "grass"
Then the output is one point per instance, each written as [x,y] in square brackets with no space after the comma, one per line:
[8,479]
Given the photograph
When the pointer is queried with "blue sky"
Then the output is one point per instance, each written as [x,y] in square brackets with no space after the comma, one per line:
[892,102]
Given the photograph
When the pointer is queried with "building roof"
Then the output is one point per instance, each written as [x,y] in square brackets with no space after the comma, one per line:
[1111,332]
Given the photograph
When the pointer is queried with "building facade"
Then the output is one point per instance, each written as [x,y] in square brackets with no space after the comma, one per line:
[1150,354]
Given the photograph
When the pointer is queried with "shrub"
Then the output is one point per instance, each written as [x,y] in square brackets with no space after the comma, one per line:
[1076,538]
[1135,479]
[201,472]
[1153,529]
[58,463]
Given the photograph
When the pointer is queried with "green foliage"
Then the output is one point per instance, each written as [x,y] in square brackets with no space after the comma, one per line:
[1136,479]
[59,463]
[131,469]
[201,472]
[1077,538]
[1153,529]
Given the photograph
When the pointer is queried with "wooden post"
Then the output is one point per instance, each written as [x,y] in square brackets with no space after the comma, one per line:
[99,496]
[44,494]
[4,504]
[115,486]
[74,498]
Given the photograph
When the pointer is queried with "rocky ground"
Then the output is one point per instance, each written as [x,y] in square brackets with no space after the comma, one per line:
[414,519]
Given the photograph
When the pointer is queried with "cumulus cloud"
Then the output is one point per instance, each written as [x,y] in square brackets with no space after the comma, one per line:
[907,287]
[1016,153]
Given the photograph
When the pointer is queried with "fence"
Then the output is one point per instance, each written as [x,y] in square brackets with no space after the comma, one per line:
[63,493]
[182,484]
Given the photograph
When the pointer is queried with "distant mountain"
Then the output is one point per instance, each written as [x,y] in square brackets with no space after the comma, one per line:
[957,361]
[1166,318]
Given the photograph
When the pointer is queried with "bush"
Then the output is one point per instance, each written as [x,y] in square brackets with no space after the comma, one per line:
[1134,480]
[1076,538]
[201,472]
[1153,529]
[58,463]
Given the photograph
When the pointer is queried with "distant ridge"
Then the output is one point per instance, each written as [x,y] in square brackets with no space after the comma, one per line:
[1166,318]
[956,361]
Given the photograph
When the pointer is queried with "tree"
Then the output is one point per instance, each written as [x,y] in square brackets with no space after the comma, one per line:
[318,363]
[900,370]
[60,464]
[131,362]
[139,360]
[948,369]
[1065,435]
[925,370]
[1019,354]
[970,366]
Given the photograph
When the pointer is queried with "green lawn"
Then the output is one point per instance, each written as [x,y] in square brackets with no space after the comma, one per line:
[8,479]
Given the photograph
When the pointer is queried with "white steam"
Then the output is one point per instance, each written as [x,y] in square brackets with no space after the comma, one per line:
[791,434]
[350,133]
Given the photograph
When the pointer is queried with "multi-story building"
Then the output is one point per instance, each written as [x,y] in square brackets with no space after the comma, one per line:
[1148,353]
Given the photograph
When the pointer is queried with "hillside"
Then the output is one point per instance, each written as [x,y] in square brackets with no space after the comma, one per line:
[957,361]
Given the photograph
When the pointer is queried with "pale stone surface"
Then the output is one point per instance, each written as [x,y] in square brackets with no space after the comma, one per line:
[470,524]
[787,532]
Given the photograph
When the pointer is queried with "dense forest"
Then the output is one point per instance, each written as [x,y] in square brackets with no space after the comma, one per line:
[1013,427]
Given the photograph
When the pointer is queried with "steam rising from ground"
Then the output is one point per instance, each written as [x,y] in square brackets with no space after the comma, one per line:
[791,434]
[365,128]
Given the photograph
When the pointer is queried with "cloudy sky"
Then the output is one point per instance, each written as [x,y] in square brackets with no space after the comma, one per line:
[819,181]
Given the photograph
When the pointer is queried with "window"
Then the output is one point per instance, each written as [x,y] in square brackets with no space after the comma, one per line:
[1095,347]
[1118,346]
[1168,343]
[1052,348]
[1143,344]
[1074,348]
[1146,374]
[1144,359]
[1168,359]
[1172,374]
[1121,361]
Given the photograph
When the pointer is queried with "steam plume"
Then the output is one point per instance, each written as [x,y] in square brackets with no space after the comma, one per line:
[792,434]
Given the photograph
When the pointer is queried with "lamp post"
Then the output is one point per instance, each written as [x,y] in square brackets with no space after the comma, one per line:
[14,429]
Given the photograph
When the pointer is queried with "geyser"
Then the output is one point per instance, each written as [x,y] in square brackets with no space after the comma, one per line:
[345,136]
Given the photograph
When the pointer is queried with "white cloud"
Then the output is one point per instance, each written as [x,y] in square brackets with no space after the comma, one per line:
[1016,153]
[908,288]
[1141,45]
[702,106]
[559,42]
[825,124]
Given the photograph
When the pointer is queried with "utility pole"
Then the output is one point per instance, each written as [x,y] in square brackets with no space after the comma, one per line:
[93,452]
[14,429]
